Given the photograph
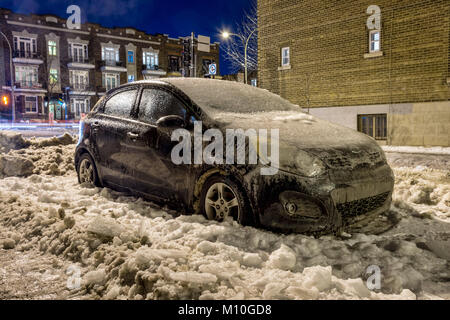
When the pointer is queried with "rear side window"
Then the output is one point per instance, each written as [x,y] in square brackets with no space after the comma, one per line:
[156,104]
[120,105]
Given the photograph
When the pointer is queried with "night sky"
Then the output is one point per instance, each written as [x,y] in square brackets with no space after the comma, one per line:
[173,17]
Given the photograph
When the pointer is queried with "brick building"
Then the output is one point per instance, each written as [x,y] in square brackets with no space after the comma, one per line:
[60,73]
[390,81]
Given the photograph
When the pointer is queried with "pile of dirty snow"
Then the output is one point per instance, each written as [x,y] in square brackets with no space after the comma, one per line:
[132,249]
[127,248]
[23,157]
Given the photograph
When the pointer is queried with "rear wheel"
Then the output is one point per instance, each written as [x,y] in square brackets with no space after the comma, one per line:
[87,172]
[221,198]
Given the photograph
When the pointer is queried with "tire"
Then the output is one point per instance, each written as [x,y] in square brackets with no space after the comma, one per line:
[87,171]
[222,197]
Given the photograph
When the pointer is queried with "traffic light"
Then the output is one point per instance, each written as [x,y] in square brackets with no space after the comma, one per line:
[5,100]
[187,52]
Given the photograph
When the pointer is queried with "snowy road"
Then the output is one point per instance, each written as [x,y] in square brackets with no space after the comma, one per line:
[123,247]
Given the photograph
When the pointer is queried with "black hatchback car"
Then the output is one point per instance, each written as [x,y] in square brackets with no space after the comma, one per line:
[328,176]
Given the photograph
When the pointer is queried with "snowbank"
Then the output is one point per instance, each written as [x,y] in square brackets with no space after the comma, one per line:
[128,248]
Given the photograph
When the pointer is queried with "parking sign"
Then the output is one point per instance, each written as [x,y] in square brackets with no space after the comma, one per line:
[213,69]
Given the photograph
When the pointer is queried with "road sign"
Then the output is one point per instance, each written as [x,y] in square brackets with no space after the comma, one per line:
[213,69]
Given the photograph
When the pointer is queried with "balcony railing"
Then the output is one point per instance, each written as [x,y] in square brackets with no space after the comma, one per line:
[26,54]
[28,85]
[81,60]
[150,67]
[111,63]
[81,87]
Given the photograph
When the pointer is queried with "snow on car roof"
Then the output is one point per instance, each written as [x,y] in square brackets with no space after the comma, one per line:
[229,96]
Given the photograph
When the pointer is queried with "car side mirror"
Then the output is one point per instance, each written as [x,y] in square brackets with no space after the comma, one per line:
[171,121]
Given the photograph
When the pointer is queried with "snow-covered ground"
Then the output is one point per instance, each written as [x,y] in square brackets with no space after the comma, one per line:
[124,247]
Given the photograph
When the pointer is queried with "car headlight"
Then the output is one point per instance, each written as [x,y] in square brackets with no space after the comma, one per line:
[301,162]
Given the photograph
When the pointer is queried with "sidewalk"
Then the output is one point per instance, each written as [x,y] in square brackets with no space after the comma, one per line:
[418,150]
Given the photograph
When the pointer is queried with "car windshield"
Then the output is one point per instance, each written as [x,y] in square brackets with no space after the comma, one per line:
[218,96]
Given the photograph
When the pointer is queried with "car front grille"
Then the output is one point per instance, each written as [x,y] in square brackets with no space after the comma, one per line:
[342,161]
[356,208]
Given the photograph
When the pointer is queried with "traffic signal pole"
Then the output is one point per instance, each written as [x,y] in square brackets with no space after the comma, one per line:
[11,73]
[192,66]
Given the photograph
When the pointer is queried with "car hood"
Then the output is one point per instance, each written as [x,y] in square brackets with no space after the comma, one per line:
[300,131]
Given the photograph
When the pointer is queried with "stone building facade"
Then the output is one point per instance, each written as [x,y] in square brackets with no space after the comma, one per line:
[60,73]
[389,80]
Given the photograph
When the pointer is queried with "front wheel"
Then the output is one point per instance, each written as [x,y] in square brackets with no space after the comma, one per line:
[222,198]
[87,172]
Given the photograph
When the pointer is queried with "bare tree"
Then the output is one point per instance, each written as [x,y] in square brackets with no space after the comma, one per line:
[306,91]
[51,81]
[234,47]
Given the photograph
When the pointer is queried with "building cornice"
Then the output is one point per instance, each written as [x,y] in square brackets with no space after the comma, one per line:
[24,24]
[127,39]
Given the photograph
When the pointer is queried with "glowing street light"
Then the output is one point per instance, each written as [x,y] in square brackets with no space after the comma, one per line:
[245,42]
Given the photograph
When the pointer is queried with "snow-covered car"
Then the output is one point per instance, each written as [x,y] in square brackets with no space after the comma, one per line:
[328,177]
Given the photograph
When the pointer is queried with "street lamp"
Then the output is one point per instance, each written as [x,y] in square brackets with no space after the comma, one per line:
[13,100]
[245,42]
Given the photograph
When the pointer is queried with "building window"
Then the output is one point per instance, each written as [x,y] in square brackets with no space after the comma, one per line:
[130,56]
[174,63]
[110,55]
[150,60]
[27,76]
[24,47]
[30,104]
[78,52]
[80,106]
[79,79]
[285,57]
[110,80]
[374,125]
[254,82]
[53,76]
[52,48]
[375,41]
[131,78]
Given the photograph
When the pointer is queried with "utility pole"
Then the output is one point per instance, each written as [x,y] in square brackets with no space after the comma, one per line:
[11,73]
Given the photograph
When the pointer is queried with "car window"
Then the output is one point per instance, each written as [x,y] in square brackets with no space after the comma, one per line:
[156,104]
[120,105]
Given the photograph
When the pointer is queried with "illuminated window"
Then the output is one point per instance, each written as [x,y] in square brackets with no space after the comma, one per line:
[53,76]
[78,52]
[110,55]
[52,48]
[285,57]
[79,79]
[130,56]
[150,60]
[27,76]
[110,80]
[375,41]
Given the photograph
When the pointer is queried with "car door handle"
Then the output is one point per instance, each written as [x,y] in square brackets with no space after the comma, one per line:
[132,136]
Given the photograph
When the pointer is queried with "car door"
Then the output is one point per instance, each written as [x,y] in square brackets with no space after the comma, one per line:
[113,130]
[154,171]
